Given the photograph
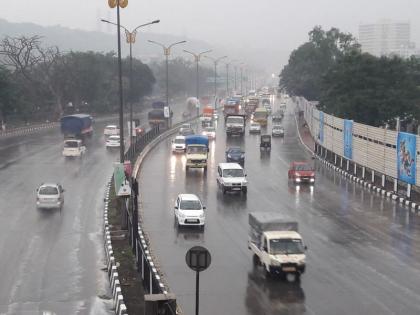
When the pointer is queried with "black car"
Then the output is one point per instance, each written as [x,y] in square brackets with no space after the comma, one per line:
[235,155]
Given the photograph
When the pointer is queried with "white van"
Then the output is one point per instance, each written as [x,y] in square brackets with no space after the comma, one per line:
[231,177]
[73,148]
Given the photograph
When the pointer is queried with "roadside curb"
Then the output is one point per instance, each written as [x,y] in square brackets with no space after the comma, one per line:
[114,282]
[366,184]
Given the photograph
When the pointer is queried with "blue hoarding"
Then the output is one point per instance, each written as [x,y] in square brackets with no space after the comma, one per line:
[321,127]
[348,139]
[406,157]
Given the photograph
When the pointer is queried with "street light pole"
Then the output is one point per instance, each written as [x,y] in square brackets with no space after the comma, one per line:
[215,61]
[167,52]
[120,87]
[131,39]
[197,57]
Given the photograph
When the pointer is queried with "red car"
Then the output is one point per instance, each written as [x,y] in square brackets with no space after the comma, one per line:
[301,172]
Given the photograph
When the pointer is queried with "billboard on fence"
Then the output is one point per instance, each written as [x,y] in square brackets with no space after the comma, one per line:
[348,139]
[406,157]
[321,127]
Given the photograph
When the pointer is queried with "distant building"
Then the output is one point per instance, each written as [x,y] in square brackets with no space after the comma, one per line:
[387,38]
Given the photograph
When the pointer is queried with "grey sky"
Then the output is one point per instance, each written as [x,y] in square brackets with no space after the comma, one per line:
[236,24]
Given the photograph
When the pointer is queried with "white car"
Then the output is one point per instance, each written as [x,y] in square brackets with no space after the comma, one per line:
[189,211]
[50,196]
[178,144]
[111,130]
[210,132]
[73,148]
[231,177]
[254,127]
[277,131]
[113,142]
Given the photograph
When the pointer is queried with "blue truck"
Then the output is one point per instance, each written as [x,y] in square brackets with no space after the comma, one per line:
[156,116]
[76,126]
[197,150]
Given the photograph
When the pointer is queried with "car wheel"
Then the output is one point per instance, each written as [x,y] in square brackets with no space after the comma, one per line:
[224,190]
[245,190]
[187,168]
[255,260]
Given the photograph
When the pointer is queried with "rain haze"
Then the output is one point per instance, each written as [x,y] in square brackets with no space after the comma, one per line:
[272,28]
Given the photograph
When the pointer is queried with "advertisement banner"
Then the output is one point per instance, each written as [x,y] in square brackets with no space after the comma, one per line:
[406,157]
[121,184]
[321,127]
[348,139]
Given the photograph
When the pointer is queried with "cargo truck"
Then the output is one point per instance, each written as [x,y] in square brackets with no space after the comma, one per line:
[77,126]
[276,244]
[235,125]
[197,148]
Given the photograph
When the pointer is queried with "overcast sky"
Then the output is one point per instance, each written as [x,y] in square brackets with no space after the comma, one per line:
[238,24]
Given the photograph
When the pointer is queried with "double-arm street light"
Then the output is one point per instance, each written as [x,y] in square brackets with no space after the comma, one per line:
[131,39]
[197,57]
[215,62]
[167,53]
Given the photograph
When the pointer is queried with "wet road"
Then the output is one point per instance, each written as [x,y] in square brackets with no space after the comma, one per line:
[50,261]
[364,251]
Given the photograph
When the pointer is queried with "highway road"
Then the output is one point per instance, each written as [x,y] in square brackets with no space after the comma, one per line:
[363,251]
[51,261]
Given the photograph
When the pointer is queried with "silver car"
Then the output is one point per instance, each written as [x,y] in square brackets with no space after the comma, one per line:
[277,131]
[50,196]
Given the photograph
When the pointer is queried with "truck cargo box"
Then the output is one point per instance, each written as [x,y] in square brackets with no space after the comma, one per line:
[197,139]
[271,221]
[76,125]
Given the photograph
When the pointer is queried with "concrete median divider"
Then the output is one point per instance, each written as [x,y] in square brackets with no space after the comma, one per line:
[147,267]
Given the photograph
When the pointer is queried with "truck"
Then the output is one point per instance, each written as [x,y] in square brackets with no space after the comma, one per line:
[251,105]
[276,244]
[232,106]
[260,116]
[77,126]
[235,125]
[196,151]
[208,112]
[156,116]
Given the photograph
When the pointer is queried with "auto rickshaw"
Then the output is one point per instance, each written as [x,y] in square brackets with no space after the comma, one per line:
[265,143]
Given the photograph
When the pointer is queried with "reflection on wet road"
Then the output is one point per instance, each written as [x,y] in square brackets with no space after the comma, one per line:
[363,257]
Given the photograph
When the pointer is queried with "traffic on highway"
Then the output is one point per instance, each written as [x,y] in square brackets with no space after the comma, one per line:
[286,235]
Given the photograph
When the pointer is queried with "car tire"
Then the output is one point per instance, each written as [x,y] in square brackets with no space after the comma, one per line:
[187,168]
[245,190]
[224,190]
[255,260]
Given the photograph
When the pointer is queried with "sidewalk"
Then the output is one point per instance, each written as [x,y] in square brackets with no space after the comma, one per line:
[304,134]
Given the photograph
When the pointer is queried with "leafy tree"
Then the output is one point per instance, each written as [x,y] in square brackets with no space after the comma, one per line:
[7,93]
[371,90]
[308,63]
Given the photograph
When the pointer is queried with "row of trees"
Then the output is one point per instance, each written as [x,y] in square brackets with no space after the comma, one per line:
[350,84]
[39,83]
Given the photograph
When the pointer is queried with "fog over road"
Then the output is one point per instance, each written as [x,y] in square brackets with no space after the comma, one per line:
[363,251]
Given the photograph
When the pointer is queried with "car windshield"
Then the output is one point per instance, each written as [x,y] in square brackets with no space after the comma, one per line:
[255,125]
[48,190]
[233,173]
[71,144]
[235,120]
[179,141]
[286,247]
[260,115]
[111,127]
[277,128]
[209,129]
[190,205]
[234,151]
[196,150]
[114,138]
[303,167]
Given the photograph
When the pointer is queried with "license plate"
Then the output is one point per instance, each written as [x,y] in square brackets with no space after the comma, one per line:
[289,269]
[236,188]
[192,221]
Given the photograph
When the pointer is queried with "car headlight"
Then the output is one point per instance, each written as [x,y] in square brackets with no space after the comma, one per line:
[298,179]
[181,215]
[229,156]
[274,262]
[202,216]
[312,179]
[242,156]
